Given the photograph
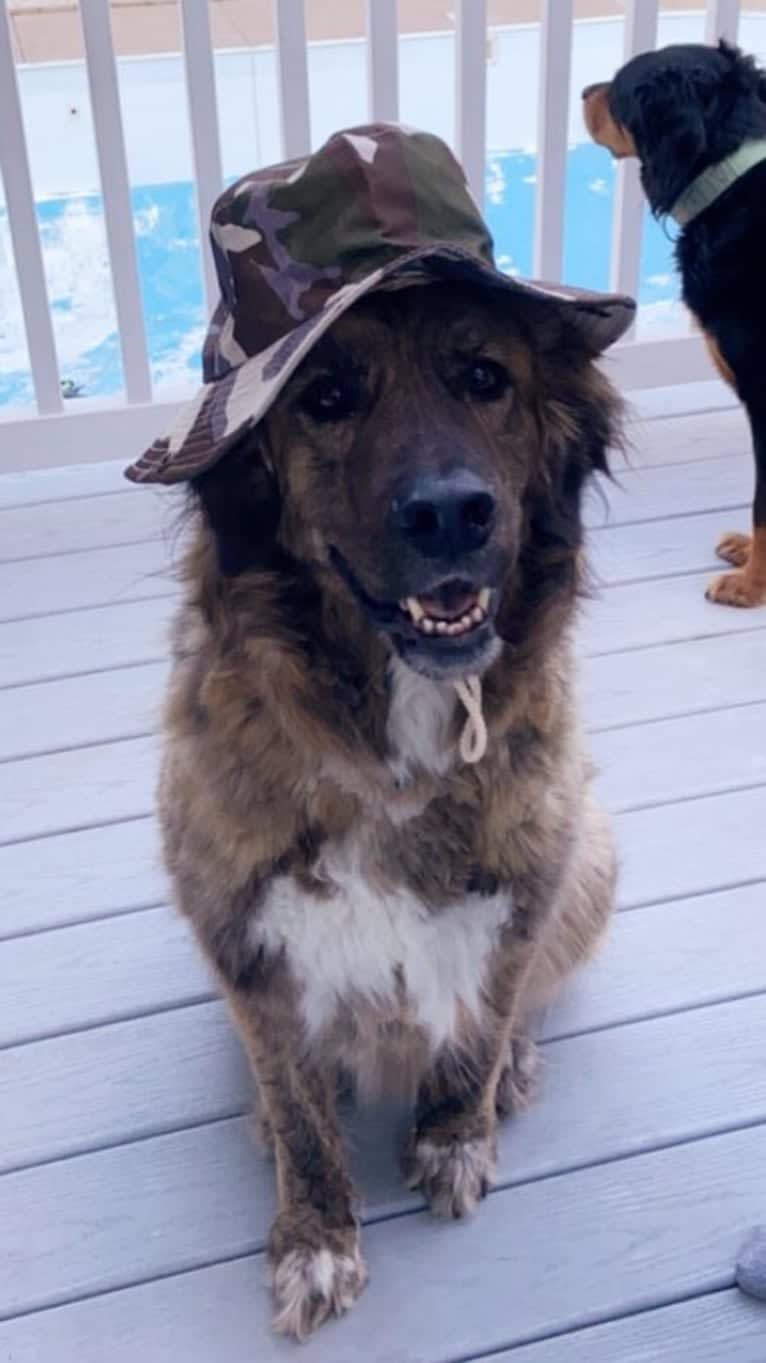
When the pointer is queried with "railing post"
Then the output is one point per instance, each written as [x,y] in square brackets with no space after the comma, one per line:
[640,36]
[722,20]
[293,77]
[115,188]
[471,91]
[203,121]
[552,141]
[382,61]
[25,234]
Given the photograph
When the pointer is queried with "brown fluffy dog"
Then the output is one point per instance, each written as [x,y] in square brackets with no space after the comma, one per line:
[373,906]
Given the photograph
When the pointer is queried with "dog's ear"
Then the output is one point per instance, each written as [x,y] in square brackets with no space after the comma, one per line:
[743,76]
[241,502]
[668,121]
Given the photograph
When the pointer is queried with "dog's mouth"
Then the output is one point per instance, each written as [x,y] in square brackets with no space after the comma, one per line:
[452,610]
[444,631]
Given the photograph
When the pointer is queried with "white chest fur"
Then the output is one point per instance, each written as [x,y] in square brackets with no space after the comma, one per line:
[419,718]
[363,944]
[386,947]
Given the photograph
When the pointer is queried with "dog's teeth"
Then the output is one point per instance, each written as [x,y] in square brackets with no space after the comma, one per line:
[428,624]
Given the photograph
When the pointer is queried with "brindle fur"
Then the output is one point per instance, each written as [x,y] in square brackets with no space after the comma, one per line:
[277,747]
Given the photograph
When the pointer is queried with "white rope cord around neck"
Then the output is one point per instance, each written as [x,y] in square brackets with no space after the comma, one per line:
[473,739]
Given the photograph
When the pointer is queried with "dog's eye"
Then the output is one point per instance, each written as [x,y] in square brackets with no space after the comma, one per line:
[330,399]
[486,380]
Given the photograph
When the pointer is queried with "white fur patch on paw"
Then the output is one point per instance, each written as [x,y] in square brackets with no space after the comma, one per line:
[312,1284]
[454,1175]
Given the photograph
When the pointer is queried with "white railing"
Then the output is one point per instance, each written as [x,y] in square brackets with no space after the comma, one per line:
[91,429]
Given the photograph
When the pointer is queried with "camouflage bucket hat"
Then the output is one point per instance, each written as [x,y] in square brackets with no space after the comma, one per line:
[296,245]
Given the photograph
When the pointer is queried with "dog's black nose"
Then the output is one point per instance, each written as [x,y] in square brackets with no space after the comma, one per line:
[444,517]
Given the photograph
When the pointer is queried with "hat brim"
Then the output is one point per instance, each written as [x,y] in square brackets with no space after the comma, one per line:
[222,412]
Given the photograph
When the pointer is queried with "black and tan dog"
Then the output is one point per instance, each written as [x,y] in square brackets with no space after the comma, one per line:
[695,117]
[375,803]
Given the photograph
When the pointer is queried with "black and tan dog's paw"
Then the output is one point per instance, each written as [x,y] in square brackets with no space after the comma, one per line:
[734,548]
[317,1272]
[737,589]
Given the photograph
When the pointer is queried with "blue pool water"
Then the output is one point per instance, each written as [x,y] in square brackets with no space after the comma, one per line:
[168,253]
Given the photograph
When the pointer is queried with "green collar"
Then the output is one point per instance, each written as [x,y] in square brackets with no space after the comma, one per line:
[711,184]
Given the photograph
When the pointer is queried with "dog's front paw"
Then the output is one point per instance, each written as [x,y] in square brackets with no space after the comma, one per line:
[736,589]
[317,1272]
[453,1174]
[734,548]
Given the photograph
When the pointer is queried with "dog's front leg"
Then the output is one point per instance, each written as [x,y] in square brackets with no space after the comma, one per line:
[452,1150]
[314,1255]
[747,553]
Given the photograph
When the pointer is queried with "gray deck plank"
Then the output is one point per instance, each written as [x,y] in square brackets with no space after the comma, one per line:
[725,1327]
[93,577]
[674,679]
[654,549]
[74,877]
[34,486]
[685,439]
[679,850]
[644,494]
[677,759]
[646,1230]
[70,790]
[65,527]
[82,641]
[119,1082]
[98,707]
[643,614]
[98,972]
[602,1095]
[668,957]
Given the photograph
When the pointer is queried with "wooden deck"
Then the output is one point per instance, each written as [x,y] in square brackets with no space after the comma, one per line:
[133,1203]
